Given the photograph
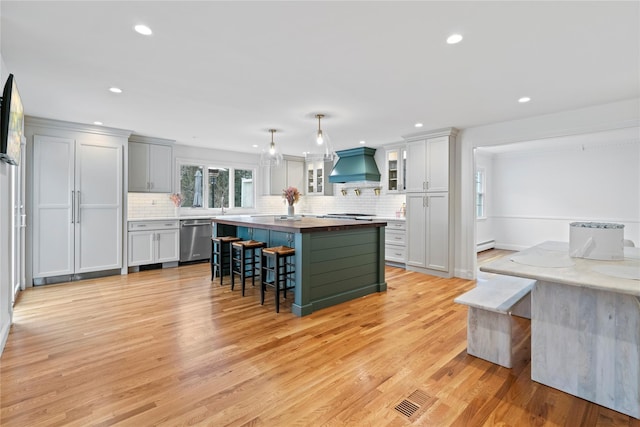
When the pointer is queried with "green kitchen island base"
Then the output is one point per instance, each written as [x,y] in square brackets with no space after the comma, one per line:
[335,261]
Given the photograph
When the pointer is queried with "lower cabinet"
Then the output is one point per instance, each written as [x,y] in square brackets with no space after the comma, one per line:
[395,242]
[428,231]
[152,242]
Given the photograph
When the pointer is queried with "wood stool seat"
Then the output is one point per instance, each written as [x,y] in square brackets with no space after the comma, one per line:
[278,262]
[221,252]
[242,264]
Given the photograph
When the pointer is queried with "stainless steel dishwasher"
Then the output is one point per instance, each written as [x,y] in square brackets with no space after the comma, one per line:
[195,239]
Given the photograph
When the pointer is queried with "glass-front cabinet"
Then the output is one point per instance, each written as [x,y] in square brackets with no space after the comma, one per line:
[316,177]
[396,163]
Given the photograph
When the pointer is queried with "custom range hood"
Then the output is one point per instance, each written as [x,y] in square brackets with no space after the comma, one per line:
[356,164]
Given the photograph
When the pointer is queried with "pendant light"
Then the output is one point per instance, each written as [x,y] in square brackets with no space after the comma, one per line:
[320,148]
[319,135]
[271,156]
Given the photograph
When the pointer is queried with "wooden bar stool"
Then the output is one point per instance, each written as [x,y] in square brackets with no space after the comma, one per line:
[241,263]
[278,262]
[221,255]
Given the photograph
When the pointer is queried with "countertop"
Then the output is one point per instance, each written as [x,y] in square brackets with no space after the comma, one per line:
[582,272]
[298,225]
[306,215]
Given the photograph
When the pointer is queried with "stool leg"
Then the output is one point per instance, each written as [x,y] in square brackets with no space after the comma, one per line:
[221,261]
[232,266]
[276,282]
[263,285]
[243,268]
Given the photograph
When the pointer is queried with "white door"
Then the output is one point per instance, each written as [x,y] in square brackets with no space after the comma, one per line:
[437,167]
[18,225]
[167,245]
[141,247]
[437,231]
[98,219]
[416,223]
[416,175]
[53,197]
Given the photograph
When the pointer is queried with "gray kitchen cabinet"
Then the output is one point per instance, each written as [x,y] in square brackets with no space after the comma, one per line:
[77,200]
[317,178]
[150,165]
[151,242]
[290,172]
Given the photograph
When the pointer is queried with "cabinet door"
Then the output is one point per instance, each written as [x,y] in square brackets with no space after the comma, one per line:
[141,248]
[437,166]
[98,235]
[138,167]
[416,223]
[278,178]
[416,166]
[53,202]
[160,168]
[167,245]
[437,231]
[393,170]
[295,174]
[310,179]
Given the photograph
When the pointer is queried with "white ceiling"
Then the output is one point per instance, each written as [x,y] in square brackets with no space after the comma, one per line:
[220,74]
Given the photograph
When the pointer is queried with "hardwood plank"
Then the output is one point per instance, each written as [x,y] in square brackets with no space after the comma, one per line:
[170,347]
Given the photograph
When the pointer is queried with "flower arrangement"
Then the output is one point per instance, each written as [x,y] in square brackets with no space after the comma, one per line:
[291,195]
[176,199]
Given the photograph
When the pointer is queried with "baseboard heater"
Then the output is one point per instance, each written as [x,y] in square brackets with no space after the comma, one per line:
[483,246]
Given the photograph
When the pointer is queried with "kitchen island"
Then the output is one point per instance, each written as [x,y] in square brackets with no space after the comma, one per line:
[336,260]
[585,323]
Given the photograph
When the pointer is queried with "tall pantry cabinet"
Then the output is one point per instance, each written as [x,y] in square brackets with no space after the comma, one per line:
[430,182]
[77,200]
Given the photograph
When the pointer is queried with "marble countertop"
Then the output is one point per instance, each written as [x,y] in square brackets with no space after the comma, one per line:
[297,224]
[550,261]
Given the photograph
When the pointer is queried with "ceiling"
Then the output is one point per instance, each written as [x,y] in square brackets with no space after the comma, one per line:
[220,74]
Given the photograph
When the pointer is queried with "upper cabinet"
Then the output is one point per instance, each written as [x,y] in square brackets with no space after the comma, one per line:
[317,177]
[289,173]
[428,163]
[150,164]
[396,167]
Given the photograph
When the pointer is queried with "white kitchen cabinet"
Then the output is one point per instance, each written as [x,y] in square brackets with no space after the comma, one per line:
[395,242]
[290,172]
[428,162]
[152,242]
[396,163]
[150,165]
[77,202]
[428,231]
[317,177]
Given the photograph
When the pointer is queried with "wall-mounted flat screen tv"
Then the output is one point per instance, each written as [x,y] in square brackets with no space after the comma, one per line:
[11,123]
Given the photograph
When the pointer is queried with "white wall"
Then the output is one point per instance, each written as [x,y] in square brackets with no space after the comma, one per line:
[617,115]
[538,193]
[6,309]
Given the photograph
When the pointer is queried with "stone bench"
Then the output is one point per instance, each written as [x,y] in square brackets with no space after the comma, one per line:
[491,304]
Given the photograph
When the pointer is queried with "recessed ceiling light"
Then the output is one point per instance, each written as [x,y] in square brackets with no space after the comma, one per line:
[255,145]
[143,29]
[418,125]
[363,142]
[97,123]
[115,90]
[454,38]
[524,99]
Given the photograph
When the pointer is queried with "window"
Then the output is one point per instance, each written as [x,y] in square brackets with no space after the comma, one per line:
[216,187]
[480,194]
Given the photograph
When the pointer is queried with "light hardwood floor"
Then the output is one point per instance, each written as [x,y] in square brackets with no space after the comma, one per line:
[170,347]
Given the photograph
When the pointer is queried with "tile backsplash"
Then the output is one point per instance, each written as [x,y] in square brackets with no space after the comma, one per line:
[150,205]
[158,205]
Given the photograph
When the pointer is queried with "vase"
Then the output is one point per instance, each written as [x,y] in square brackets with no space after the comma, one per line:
[291,211]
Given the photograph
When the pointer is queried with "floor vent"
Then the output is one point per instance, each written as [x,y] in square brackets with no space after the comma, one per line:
[407,408]
[412,406]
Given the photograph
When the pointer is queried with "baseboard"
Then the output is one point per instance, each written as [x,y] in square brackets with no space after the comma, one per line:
[4,336]
[489,244]
[463,274]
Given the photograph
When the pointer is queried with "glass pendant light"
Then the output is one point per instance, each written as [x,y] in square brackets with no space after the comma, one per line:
[271,156]
[321,148]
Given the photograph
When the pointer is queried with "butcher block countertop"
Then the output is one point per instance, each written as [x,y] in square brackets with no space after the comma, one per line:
[297,225]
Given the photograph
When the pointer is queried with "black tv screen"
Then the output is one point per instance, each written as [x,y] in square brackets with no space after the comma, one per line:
[11,123]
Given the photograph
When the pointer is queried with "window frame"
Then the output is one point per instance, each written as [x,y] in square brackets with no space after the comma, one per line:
[206,165]
[480,202]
